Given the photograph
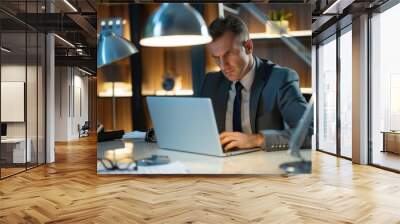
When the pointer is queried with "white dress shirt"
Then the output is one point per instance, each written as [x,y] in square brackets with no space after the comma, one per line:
[247,82]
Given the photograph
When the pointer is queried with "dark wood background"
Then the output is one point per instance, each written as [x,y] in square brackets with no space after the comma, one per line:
[156,62]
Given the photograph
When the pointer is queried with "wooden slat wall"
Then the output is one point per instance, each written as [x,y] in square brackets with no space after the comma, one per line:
[300,20]
[210,13]
[158,61]
[104,112]
[123,105]
[123,113]
[152,68]
[274,50]
[277,51]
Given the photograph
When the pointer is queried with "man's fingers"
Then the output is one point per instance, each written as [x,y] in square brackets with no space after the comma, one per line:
[228,133]
[224,135]
[231,145]
[227,139]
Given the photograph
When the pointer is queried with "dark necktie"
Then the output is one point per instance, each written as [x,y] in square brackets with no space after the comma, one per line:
[237,105]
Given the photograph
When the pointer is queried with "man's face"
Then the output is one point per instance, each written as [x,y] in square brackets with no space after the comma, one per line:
[231,55]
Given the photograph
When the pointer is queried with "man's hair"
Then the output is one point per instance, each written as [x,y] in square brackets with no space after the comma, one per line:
[228,24]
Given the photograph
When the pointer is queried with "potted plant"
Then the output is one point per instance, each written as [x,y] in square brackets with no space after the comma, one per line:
[278,21]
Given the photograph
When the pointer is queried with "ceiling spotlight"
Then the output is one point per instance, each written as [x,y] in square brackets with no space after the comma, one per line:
[337,7]
[5,49]
[65,41]
[84,71]
[70,5]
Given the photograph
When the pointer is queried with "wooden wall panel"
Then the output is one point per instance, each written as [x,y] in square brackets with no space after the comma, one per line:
[274,50]
[210,13]
[152,68]
[300,20]
[123,105]
[123,113]
[279,53]
[104,112]
[156,62]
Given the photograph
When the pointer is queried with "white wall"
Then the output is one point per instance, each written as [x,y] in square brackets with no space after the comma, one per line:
[71,102]
[61,103]
[33,126]
[16,73]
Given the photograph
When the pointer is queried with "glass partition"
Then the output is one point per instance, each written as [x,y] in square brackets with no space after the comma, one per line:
[22,87]
[15,149]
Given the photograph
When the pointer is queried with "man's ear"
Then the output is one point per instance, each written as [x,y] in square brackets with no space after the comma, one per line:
[248,46]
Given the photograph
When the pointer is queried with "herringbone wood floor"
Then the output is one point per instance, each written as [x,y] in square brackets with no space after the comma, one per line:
[70,191]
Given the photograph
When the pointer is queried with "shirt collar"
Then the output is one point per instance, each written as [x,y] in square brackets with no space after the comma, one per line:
[248,79]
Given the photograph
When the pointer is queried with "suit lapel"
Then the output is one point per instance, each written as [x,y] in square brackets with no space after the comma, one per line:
[256,90]
[221,103]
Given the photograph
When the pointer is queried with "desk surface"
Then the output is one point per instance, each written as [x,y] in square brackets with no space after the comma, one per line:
[259,162]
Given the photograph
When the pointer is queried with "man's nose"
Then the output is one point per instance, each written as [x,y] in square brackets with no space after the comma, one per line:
[222,63]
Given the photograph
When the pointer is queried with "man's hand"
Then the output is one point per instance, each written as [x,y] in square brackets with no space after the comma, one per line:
[233,140]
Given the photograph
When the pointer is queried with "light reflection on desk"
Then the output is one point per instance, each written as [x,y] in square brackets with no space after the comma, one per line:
[116,154]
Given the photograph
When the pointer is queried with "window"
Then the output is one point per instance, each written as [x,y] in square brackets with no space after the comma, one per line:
[346,93]
[385,89]
[327,96]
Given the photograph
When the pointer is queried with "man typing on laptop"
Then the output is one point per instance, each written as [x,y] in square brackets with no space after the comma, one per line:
[256,102]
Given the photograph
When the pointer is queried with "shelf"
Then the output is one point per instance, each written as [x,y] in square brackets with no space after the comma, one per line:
[306,90]
[179,92]
[297,33]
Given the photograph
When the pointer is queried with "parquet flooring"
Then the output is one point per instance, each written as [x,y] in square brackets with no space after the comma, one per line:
[70,191]
[10,171]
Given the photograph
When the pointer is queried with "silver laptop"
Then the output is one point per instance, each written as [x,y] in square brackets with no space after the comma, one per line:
[187,124]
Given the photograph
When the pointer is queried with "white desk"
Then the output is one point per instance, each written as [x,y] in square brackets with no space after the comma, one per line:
[18,150]
[259,162]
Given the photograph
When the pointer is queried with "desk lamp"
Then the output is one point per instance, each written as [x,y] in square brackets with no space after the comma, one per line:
[112,46]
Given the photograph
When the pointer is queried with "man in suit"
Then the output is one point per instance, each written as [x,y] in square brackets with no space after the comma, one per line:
[256,102]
